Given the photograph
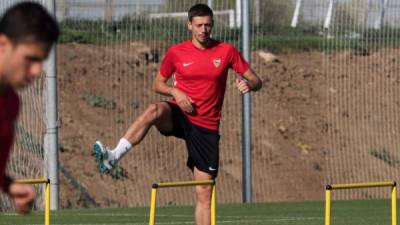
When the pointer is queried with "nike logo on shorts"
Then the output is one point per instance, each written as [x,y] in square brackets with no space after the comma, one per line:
[211,169]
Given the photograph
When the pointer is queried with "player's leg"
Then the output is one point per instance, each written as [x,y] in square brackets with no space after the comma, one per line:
[203,198]
[203,149]
[158,114]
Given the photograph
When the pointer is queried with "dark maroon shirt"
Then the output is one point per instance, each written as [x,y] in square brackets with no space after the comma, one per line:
[9,108]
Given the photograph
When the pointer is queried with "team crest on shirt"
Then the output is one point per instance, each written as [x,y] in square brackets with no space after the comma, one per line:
[217,62]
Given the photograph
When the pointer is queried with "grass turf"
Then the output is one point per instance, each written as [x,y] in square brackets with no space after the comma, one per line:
[366,212]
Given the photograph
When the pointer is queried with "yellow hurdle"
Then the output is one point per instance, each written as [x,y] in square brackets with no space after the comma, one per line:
[155,186]
[47,195]
[330,187]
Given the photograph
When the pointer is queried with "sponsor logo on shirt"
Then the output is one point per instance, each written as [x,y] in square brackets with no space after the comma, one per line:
[187,64]
[217,62]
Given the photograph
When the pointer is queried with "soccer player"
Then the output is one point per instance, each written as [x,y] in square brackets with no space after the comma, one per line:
[200,68]
[27,32]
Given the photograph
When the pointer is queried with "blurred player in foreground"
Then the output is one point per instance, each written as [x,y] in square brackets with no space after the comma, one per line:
[27,33]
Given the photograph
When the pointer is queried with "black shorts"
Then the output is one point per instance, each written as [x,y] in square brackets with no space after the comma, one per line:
[202,143]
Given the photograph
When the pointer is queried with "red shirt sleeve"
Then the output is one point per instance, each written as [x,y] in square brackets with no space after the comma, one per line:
[238,63]
[167,66]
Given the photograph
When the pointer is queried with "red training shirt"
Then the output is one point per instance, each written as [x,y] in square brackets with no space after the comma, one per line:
[202,74]
[9,108]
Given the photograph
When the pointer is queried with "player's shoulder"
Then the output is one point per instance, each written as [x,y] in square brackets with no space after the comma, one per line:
[180,45]
[223,44]
[226,46]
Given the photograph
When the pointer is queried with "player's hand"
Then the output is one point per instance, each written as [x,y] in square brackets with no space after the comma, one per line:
[183,101]
[22,196]
[242,85]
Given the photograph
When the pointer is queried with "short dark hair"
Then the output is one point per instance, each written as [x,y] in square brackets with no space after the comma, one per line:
[29,21]
[200,10]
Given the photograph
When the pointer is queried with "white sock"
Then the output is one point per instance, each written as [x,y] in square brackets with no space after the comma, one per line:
[122,148]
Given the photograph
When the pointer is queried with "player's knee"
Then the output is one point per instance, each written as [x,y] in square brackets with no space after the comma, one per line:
[153,112]
[203,194]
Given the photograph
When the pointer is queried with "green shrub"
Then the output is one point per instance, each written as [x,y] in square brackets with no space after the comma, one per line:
[99,101]
[385,156]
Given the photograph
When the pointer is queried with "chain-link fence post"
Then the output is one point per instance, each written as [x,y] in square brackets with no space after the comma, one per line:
[51,139]
[246,138]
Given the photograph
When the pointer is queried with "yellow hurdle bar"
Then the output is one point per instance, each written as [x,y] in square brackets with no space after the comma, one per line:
[153,206]
[362,185]
[213,206]
[155,186]
[47,195]
[328,207]
[394,205]
[47,204]
[184,183]
[331,187]
[33,181]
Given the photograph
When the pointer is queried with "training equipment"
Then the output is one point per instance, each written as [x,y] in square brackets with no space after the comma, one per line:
[331,187]
[46,198]
[155,186]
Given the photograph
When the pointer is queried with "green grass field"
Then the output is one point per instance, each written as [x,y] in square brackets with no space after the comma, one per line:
[366,212]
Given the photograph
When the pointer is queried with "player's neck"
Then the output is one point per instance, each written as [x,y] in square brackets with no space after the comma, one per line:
[3,83]
[202,45]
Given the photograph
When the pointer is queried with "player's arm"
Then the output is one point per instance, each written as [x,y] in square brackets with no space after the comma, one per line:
[160,86]
[249,82]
